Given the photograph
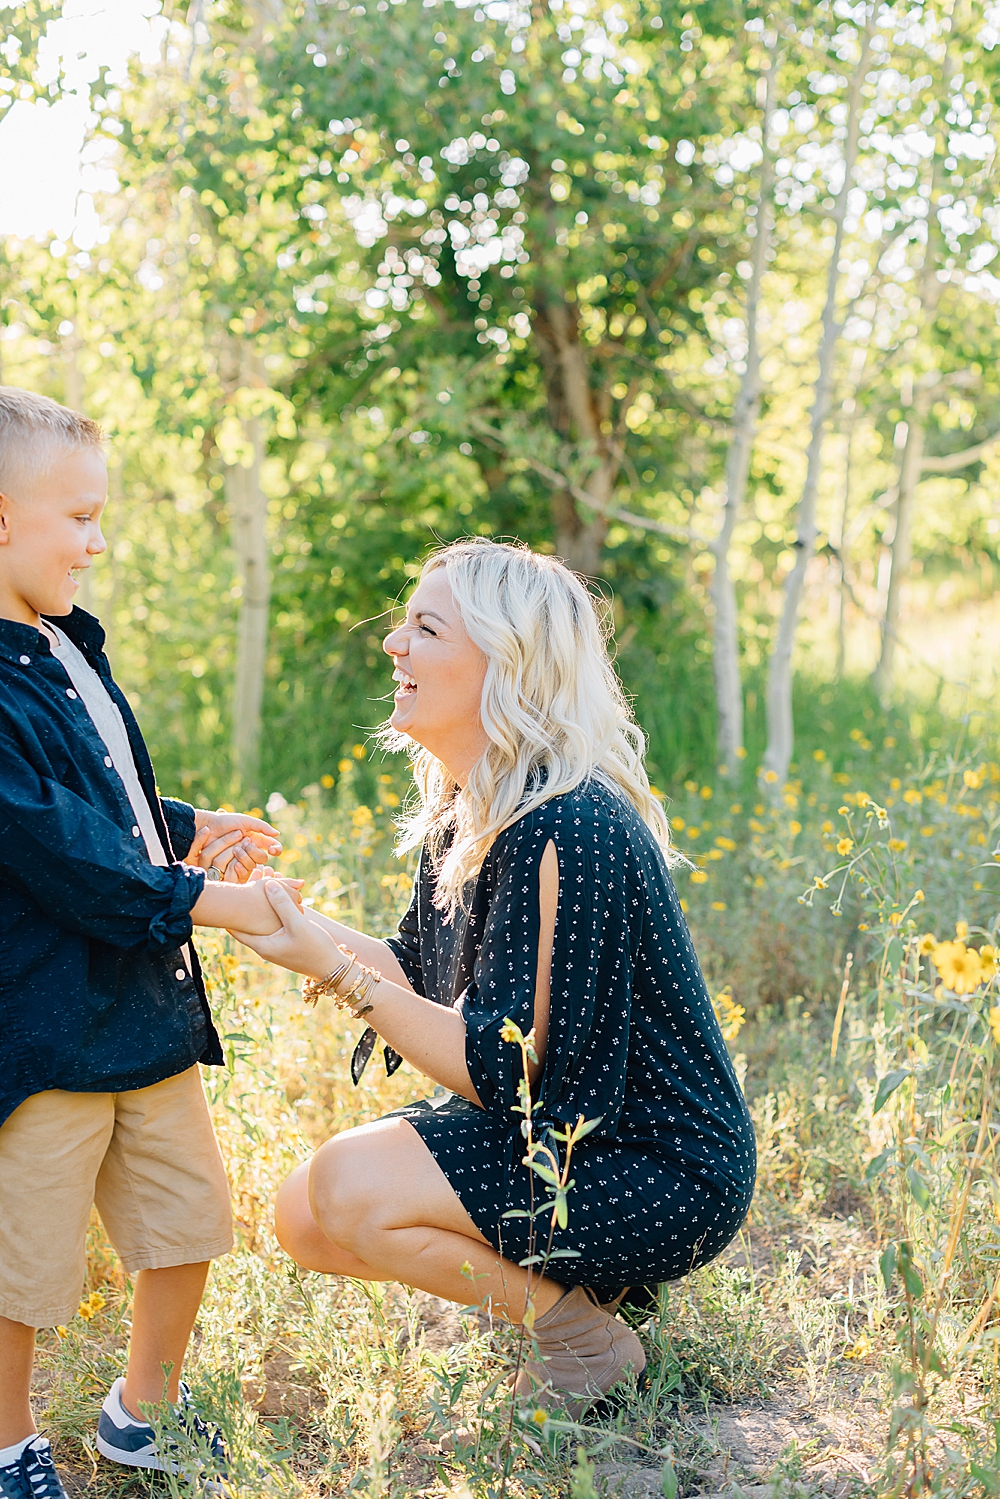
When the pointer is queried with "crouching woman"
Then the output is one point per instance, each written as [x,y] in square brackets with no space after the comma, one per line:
[543,896]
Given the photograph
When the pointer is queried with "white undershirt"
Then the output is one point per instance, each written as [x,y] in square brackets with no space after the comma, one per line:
[110,725]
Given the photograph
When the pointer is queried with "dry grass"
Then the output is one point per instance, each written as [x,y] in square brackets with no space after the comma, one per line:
[808,1358]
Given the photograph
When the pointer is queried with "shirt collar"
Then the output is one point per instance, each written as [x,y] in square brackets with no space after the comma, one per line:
[17,640]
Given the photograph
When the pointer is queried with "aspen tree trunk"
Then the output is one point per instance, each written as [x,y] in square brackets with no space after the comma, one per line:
[746,413]
[929,295]
[247,505]
[910,465]
[780,726]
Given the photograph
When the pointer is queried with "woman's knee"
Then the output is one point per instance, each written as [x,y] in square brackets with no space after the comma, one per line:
[298,1233]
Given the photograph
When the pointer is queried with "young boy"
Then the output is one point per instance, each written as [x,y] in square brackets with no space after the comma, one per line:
[103,1013]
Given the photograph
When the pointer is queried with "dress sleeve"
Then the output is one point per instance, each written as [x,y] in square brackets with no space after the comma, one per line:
[593,963]
[405,946]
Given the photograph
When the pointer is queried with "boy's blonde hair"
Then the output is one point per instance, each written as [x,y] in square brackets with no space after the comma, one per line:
[33,431]
[553,708]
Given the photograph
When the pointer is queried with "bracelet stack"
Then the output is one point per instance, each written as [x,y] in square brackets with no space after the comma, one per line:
[350,985]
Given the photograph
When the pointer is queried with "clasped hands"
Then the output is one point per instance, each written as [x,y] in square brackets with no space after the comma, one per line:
[233,843]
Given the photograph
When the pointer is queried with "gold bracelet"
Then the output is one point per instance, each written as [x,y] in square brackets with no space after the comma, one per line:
[313,989]
[355,996]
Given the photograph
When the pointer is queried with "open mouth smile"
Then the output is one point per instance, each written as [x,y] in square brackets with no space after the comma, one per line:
[407,686]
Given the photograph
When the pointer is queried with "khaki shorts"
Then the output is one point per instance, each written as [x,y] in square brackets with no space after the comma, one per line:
[150,1161]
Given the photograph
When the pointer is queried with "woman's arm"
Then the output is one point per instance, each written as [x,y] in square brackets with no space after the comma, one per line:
[429,1036]
[371,950]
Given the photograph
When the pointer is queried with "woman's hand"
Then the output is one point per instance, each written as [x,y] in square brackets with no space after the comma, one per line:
[245,908]
[300,944]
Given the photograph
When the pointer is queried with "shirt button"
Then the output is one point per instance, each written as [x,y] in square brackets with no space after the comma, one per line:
[135,832]
[70,692]
[180,974]
[108,761]
[25,660]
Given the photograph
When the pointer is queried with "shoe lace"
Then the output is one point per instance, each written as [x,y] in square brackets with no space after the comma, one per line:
[199,1428]
[41,1473]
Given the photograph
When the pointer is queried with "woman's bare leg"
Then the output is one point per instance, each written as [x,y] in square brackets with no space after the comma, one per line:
[374,1204]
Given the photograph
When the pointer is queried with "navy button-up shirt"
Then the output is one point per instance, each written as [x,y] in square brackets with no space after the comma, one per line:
[95,996]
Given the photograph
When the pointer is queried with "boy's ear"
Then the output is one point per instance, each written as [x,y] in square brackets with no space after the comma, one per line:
[4,519]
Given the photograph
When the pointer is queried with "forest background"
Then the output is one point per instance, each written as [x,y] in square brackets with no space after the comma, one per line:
[701,300]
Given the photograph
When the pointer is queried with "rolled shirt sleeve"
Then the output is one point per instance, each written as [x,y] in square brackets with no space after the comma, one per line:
[82,869]
[179,818]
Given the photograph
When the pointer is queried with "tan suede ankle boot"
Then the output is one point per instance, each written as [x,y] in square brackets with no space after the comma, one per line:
[583,1352]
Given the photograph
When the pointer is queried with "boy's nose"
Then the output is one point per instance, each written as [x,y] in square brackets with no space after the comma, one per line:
[97,544]
[394,643]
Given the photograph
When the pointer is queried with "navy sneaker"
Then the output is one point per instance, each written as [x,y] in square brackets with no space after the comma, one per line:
[34,1474]
[133,1443]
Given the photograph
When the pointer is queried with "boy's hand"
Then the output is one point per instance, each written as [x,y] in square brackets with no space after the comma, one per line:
[300,943]
[233,843]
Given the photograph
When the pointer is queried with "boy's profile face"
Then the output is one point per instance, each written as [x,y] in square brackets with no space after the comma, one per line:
[48,530]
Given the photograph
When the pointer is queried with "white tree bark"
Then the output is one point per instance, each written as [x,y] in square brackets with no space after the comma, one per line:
[780,726]
[929,295]
[247,505]
[746,413]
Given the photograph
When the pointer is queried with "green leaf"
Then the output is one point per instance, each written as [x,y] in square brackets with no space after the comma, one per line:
[919,1188]
[888,1085]
[876,1166]
[545,1172]
[668,1480]
[562,1210]
[894,953]
[887,1264]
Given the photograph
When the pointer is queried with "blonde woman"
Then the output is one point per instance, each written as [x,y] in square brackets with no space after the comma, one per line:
[543,895]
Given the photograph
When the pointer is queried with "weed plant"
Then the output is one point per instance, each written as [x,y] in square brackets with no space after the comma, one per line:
[847,922]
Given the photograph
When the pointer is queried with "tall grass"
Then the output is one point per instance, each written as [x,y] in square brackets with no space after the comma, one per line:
[868,1038]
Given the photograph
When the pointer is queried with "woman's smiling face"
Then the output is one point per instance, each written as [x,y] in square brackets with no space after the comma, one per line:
[440,673]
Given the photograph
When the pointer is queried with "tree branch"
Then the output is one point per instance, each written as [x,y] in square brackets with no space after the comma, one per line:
[583,496]
[949,462]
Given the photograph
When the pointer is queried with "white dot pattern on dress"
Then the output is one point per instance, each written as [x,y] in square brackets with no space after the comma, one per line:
[665,1180]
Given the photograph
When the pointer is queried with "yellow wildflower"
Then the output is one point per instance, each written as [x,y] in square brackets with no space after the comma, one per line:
[677,823]
[326,781]
[344,766]
[828,826]
[706,792]
[510,1032]
[358,751]
[819,756]
[860,1349]
[819,883]
[913,798]
[727,843]
[973,779]
[927,832]
[961,930]
[959,966]
[897,845]
[539,1416]
[718,905]
[844,846]
[63,1332]
[994,1027]
[698,877]
[731,1016]
[926,944]
[794,828]
[990,961]
[843,811]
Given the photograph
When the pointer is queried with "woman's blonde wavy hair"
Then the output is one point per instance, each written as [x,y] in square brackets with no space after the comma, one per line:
[552,707]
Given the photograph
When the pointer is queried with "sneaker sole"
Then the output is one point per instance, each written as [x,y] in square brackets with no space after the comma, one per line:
[132,1459]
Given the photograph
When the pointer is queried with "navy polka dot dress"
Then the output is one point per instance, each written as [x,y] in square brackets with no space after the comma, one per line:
[664,1181]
